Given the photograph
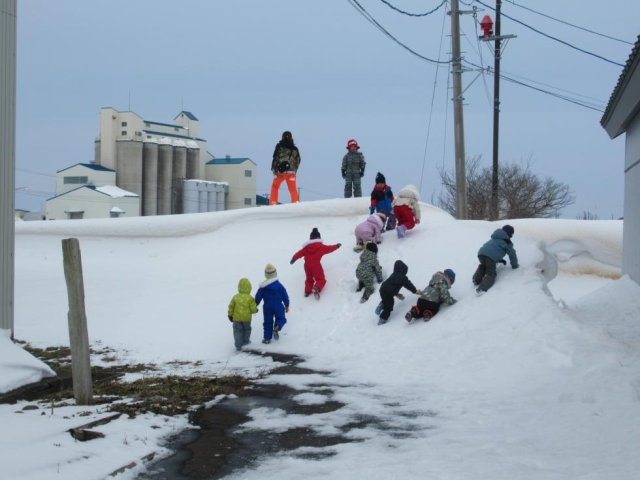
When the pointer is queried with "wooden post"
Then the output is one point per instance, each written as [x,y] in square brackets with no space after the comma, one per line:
[78,333]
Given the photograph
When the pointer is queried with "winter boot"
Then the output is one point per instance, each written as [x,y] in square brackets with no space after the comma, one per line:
[266,341]
[401,230]
[238,349]
[316,292]
[276,332]
[306,294]
[381,321]
[359,247]
[379,308]
[364,298]
[427,315]
[413,313]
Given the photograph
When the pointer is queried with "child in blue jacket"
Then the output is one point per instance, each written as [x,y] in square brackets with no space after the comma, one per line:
[492,253]
[276,304]
[381,200]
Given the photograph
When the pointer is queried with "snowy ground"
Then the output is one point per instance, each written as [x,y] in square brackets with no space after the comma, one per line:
[531,380]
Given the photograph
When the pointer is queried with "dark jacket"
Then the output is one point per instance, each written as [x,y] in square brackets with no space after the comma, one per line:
[286,158]
[397,280]
[499,246]
[381,199]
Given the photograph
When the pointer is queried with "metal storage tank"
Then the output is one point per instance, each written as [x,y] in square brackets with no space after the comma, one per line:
[150,177]
[179,173]
[165,174]
[193,160]
[129,165]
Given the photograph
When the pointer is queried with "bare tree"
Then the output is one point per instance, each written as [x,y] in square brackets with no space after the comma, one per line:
[587,215]
[521,193]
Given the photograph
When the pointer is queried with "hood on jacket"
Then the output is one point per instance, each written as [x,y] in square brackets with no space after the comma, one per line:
[376,219]
[439,277]
[244,285]
[367,255]
[500,235]
[409,192]
[400,267]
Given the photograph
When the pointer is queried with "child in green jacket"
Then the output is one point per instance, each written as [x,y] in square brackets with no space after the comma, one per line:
[241,307]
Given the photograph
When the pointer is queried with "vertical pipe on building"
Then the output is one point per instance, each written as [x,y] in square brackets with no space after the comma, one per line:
[193,160]
[8,28]
[165,174]
[179,173]
[150,178]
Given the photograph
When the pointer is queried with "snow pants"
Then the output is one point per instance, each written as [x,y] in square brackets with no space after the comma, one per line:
[273,315]
[241,333]
[314,276]
[485,274]
[290,178]
[352,181]
[405,216]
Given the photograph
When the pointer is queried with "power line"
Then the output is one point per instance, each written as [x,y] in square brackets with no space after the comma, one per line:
[360,9]
[413,14]
[550,36]
[571,24]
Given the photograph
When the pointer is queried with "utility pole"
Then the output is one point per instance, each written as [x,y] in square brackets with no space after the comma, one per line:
[458,120]
[496,115]
[488,35]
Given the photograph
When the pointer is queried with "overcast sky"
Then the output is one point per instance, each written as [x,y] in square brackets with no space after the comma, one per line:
[250,69]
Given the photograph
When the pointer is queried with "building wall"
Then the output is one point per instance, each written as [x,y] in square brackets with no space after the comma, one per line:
[94,204]
[201,196]
[112,130]
[631,232]
[240,186]
[8,20]
[94,177]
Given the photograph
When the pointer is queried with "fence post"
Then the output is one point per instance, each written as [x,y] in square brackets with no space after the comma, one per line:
[78,333]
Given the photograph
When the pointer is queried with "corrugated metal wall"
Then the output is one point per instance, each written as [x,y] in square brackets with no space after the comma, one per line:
[8,17]
[631,232]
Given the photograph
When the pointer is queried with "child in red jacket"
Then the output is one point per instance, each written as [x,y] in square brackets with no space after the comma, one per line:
[312,251]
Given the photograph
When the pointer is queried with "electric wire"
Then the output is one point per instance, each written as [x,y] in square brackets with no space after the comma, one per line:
[479,52]
[433,96]
[413,14]
[571,24]
[360,9]
[550,36]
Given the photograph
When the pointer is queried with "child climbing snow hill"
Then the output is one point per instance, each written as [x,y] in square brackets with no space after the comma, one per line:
[406,209]
[276,304]
[313,251]
[382,200]
[391,288]
[491,253]
[370,230]
[368,270]
[241,307]
[433,295]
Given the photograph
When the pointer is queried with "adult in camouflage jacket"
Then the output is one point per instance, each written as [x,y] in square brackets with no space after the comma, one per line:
[353,170]
[434,295]
[368,270]
[241,307]
[285,164]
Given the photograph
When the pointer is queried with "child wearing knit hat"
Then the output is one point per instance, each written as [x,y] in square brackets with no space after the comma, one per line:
[368,270]
[241,307]
[492,253]
[433,295]
[313,251]
[382,200]
[276,304]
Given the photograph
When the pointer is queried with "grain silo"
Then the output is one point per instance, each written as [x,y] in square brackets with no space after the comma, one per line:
[165,174]
[179,173]
[150,177]
[193,160]
[129,165]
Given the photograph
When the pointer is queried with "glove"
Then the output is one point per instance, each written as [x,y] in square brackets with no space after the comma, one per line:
[400,296]
[339,245]
[417,222]
[514,266]
[418,292]
[292,261]
[230,318]
[362,173]
[379,281]
[504,262]
[371,210]
[286,309]
[344,174]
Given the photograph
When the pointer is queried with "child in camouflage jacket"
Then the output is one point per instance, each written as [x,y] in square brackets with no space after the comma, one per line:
[353,170]
[241,307]
[433,295]
[368,269]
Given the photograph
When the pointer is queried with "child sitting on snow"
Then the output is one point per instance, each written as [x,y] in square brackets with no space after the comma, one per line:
[369,231]
[313,251]
[435,294]
[407,209]
[241,307]
[368,269]
[276,304]
[381,200]
[391,288]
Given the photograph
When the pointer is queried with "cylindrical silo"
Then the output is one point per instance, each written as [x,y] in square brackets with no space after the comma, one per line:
[150,177]
[129,166]
[165,174]
[193,160]
[97,153]
[179,173]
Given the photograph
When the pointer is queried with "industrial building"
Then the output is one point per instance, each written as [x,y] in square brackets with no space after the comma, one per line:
[166,167]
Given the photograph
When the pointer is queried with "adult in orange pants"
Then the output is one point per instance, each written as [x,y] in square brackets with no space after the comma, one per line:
[286,160]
